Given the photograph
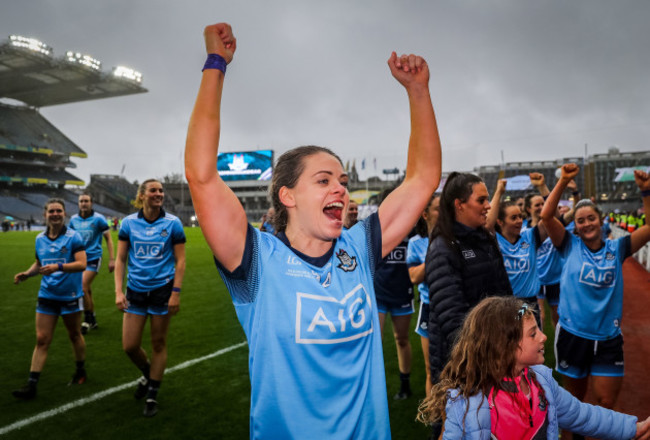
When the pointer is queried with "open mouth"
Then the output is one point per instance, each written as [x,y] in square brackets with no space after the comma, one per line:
[334,211]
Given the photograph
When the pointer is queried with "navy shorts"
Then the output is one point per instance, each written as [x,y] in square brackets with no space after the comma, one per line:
[551,292]
[94,265]
[153,302]
[423,320]
[55,307]
[579,357]
[400,310]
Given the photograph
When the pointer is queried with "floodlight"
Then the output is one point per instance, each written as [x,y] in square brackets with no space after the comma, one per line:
[127,73]
[31,44]
[84,60]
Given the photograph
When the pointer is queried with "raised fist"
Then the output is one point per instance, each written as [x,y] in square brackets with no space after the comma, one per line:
[569,171]
[409,70]
[536,179]
[219,39]
[642,180]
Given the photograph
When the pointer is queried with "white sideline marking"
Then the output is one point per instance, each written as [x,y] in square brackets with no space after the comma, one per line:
[68,406]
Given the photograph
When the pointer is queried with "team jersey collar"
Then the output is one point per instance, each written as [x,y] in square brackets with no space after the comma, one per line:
[316,261]
[92,212]
[64,228]
[141,215]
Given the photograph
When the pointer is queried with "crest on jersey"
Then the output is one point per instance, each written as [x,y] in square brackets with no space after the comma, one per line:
[524,245]
[64,250]
[609,256]
[164,233]
[348,263]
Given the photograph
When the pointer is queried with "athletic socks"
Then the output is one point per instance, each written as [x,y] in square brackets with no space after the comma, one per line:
[405,383]
[145,370]
[154,386]
[33,378]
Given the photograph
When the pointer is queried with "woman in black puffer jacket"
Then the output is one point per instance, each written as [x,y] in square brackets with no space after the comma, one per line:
[463,264]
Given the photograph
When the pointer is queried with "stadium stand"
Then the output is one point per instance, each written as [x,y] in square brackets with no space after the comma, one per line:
[35,156]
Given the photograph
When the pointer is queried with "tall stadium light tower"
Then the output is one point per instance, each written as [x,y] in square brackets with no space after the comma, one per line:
[31,44]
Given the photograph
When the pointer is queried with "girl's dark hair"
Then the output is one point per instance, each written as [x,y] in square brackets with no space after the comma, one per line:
[503,207]
[484,354]
[458,186]
[287,171]
[421,227]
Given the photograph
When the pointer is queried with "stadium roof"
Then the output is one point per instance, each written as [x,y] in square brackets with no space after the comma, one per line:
[29,73]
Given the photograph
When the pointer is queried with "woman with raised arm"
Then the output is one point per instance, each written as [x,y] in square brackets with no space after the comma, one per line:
[305,296]
[589,342]
[518,246]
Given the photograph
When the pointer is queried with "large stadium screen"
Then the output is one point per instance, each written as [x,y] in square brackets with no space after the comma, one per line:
[246,165]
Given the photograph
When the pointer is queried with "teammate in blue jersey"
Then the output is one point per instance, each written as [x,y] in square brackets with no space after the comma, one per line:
[589,342]
[416,253]
[92,226]
[60,259]
[153,241]
[518,247]
[305,296]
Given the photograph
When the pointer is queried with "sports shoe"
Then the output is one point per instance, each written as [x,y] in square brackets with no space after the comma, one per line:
[402,395]
[142,388]
[78,378]
[26,392]
[150,408]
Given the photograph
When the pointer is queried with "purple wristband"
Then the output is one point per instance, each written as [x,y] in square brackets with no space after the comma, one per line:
[60,266]
[215,61]
[645,193]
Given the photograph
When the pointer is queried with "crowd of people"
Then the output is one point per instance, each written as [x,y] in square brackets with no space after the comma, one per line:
[313,287]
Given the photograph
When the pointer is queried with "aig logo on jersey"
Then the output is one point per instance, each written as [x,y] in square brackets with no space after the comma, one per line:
[396,256]
[326,320]
[597,276]
[515,264]
[148,250]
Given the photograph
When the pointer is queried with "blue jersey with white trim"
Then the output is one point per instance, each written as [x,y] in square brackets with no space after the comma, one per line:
[549,263]
[151,249]
[59,285]
[416,253]
[591,287]
[315,354]
[520,262]
[91,230]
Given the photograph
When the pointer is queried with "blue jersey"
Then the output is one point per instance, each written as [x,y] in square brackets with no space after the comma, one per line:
[59,285]
[92,230]
[315,353]
[151,249]
[416,253]
[520,262]
[549,263]
[591,287]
